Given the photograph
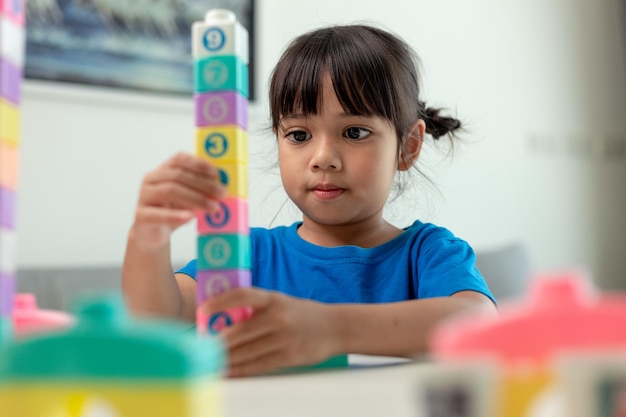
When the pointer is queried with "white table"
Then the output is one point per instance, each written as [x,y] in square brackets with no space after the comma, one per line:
[378,387]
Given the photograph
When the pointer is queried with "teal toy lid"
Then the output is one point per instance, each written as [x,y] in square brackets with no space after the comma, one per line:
[106,343]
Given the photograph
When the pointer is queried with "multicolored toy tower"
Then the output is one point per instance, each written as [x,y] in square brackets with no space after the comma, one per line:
[220,52]
[12,38]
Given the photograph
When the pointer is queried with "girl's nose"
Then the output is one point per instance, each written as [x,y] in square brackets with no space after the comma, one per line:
[325,155]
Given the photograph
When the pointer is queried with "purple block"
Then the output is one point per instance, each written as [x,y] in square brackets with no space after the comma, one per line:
[7,294]
[225,108]
[216,281]
[7,208]
[10,81]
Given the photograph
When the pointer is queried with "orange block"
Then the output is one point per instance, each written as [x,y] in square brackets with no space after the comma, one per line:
[9,166]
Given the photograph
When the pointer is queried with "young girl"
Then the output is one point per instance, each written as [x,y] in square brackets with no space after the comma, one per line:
[347,115]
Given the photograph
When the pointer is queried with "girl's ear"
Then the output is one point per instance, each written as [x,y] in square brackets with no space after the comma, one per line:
[412,145]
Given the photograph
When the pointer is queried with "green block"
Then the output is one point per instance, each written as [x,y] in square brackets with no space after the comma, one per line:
[106,343]
[6,330]
[220,73]
[339,361]
[224,251]
[336,362]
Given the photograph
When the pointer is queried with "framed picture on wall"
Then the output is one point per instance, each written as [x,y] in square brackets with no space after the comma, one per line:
[141,45]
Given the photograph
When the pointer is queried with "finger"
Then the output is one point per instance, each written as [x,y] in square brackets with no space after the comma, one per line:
[163,216]
[253,350]
[255,298]
[177,196]
[192,163]
[207,185]
[183,173]
[259,365]
[190,170]
[245,332]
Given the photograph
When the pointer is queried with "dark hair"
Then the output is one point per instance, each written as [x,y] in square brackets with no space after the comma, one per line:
[373,72]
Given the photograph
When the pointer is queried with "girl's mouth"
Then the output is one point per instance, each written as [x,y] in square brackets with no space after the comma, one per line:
[327,192]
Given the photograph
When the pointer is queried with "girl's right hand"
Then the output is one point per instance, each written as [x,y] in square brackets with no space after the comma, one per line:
[171,194]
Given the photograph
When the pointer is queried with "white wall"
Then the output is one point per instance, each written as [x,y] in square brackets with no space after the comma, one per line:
[541,85]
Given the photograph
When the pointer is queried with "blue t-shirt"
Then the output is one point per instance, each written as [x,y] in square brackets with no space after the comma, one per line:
[424,261]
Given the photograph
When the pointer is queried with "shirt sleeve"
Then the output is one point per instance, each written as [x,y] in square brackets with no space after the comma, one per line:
[447,265]
[189,269]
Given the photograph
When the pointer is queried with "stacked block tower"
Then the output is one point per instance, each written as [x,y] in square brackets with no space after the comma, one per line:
[12,35]
[220,52]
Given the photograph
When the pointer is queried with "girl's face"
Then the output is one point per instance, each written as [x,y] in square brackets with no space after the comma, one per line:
[337,168]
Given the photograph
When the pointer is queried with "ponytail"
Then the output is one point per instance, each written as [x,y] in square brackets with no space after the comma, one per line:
[438,125]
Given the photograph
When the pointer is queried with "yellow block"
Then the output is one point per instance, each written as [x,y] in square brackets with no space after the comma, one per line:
[222,144]
[521,388]
[9,123]
[126,399]
[235,177]
[9,166]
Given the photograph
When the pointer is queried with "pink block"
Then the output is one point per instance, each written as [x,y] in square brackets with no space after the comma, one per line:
[14,10]
[29,319]
[217,281]
[231,218]
[10,82]
[7,293]
[222,320]
[221,108]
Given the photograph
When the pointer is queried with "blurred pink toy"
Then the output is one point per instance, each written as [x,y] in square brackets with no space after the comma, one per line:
[561,313]
[29,319]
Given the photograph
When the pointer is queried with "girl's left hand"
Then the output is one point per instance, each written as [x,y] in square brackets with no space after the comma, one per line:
[282,332]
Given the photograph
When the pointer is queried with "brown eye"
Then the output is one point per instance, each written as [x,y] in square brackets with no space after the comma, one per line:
[356,133]
[299,136]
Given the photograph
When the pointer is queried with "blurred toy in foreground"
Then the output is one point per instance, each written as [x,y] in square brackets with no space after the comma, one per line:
[110,363]
[29,319]
[560,352]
